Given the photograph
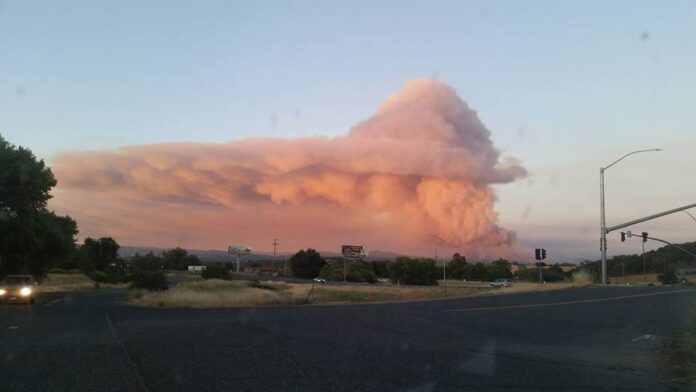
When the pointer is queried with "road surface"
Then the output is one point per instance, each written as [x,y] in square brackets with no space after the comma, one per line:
[598,338]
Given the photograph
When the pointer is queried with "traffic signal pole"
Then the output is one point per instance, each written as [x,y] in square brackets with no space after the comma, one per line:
[607,230]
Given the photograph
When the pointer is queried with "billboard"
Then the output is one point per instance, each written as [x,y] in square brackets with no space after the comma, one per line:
[238,249]
[353,251]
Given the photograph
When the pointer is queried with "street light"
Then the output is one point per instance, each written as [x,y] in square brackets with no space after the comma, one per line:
[688,213]
[603,228]
[444,261]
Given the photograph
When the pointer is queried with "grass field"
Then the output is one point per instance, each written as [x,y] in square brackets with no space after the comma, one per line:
[221,293]
[71,282]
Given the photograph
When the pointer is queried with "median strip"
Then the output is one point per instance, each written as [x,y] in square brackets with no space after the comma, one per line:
[568,302]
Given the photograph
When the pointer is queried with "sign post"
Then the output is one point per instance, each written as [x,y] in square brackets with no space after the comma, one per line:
[238,250]
[353,252]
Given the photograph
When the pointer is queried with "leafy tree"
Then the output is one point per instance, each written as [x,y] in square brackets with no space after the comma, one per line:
[456,267]
[502,263]
[380,268]
[306,264]
[31,236]
[147,262]
[98,254]
[150,280]
[406,270]
[217,271]
[332,271]
[179,259]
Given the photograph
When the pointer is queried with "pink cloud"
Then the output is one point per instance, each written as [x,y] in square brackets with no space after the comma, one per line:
[423,164]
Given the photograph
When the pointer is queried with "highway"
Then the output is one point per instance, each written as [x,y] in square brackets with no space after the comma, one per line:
[576,339]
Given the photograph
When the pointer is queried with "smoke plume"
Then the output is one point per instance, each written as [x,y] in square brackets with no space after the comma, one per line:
[422,165]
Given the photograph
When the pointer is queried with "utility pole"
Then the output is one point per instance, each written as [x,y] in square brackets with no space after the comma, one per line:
[275,244]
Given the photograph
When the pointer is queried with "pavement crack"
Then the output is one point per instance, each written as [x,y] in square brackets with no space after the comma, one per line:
[121,342]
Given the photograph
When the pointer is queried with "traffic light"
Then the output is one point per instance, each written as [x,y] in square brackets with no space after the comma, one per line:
[540,264]
[623,237]
[543,254]
[537,254]
[645,237]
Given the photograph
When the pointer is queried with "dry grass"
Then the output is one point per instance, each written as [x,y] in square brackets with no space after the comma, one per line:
[66,282]
[637,279]
[72,282]
[220,293]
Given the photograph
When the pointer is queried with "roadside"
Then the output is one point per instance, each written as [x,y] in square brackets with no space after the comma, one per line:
[215,293]
[72,282]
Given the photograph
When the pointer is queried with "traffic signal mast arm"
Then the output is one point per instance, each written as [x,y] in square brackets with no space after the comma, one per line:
[647,218]
[663,241]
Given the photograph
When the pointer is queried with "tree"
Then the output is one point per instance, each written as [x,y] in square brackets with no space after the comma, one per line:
[96,255]
[217,271]
[406,270]
[306,264]
[357,271]
[456,267]
[147,262]
[179,259]
[31,236]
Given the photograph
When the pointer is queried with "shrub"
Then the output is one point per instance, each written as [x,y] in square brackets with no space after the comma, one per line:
[216,271]
[668,278]
[306,264]
[150,280]
[406,270]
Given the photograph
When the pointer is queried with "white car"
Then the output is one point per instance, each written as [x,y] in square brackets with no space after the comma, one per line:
[502,283]
[319,280]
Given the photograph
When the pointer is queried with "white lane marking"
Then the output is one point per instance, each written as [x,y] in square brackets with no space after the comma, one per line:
[585,301]
[13,327]
[55,301]
[643,337]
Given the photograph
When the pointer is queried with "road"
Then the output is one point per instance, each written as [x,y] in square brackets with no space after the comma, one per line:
[598,338]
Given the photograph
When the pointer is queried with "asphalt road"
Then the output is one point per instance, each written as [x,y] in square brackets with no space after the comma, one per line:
[599,338]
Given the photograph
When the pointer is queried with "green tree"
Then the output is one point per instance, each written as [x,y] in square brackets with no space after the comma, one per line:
[217,271]
[96,255]
[179,259]
[406,270]
[147,262]
[306,264]
[31,237]
[456,267]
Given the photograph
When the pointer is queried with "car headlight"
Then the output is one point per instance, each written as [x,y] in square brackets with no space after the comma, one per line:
[25,291]
[3,291]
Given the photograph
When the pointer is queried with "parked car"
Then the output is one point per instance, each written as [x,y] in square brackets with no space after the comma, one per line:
[502,283]
[319,280]
[18,288]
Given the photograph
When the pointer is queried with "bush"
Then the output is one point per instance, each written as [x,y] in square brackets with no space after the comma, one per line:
[150,280]
[306,264]
[216,271]
[406,270]
[668,278]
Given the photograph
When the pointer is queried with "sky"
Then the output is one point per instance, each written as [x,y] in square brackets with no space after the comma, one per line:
[563,87]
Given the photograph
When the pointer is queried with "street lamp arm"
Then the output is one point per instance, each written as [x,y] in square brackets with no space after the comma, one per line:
[630,153]
[688,213]
[437,238]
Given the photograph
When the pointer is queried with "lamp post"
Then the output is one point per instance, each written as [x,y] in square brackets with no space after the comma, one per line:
[603,227]
[444,261]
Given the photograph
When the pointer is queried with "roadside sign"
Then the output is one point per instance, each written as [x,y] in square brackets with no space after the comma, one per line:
[238,249]
[353,251]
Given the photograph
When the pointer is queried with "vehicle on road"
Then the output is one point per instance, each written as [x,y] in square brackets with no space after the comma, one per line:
[18,288]
[319,280]
[502,283]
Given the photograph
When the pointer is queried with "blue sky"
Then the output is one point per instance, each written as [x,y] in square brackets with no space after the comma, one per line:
[563,86]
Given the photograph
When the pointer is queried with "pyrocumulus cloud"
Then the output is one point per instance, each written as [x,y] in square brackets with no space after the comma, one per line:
[423,164]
